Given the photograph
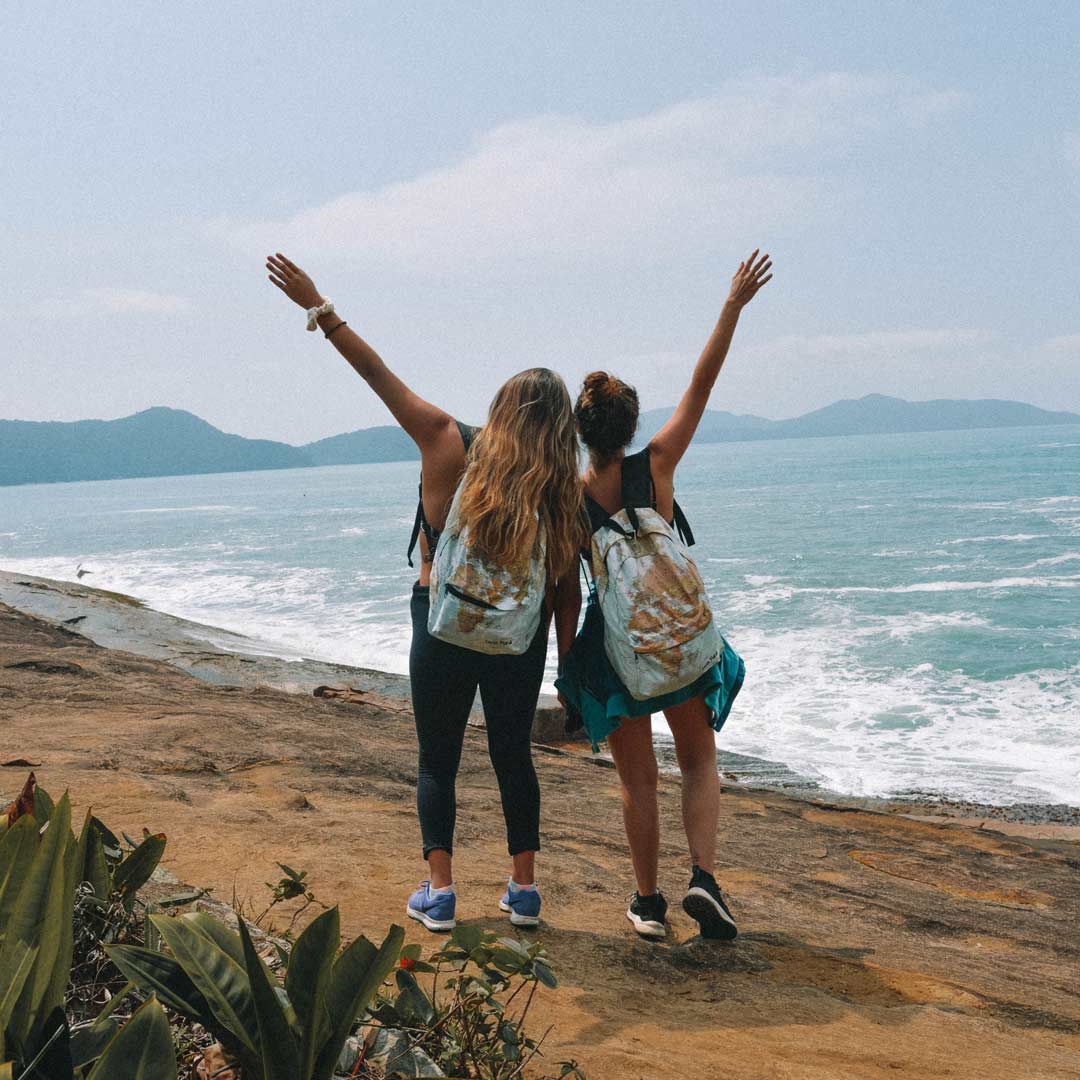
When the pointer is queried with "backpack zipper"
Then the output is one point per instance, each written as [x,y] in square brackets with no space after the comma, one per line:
[453,590]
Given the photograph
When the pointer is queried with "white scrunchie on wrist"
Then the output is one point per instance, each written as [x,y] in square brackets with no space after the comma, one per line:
[325,308]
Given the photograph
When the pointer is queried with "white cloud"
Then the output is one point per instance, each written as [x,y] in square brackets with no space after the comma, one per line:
[794,373]
[122,301]
[896,345]
[1064,345]
[752,158]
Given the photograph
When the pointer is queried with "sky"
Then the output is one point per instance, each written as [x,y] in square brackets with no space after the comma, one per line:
[483,187]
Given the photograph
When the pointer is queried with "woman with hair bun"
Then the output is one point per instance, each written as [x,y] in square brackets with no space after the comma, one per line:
[649,643]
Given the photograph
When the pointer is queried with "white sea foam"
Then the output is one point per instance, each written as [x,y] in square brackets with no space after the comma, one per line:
[1070,581]
[1015,538]
[353,530]
[187,509]
[1056,560]
[808,702]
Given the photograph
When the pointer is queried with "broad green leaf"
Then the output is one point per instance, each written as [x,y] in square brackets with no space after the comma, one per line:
[42,916]
[307,982]
[216,975]
[88,1043]
[62,909]
[93,866]
[154,972]
[141,1050]
[277,1043]
[216,932]
[412,1002]
[18,960]
[467,937]
[545,974]
[17,847]
[358,973]
[109,840]
[43,805]
[134,872]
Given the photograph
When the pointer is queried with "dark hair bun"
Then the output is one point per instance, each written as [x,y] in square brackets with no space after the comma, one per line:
[606,413]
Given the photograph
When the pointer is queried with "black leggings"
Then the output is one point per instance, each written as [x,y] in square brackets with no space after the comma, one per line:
[444,679]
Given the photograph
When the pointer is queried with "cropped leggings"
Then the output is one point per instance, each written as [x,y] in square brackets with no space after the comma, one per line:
[444,681]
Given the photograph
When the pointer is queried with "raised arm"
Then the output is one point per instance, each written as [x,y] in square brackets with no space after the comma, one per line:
[426,424]
[668,445]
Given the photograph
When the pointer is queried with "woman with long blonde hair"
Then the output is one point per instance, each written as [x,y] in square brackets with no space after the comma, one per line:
[520,500]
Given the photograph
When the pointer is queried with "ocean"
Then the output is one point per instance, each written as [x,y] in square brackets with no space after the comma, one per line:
[908,606]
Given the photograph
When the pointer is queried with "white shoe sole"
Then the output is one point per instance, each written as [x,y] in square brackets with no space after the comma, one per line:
[430,923]
[519,920]
[647,927]
[714,921]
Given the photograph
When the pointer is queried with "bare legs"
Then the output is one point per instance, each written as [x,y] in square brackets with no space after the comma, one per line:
[440,868]
[695,748]
[631,747]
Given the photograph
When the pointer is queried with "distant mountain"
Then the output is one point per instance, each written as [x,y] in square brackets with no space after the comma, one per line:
[874,414]
[155,442]
[387,443]
[715,426]
[167,442]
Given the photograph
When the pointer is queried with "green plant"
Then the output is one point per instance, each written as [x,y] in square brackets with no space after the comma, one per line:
[216,977]
[41,865]
[292,885]
[474,1023]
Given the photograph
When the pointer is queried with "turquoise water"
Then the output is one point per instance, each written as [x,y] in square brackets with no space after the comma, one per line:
[908,606]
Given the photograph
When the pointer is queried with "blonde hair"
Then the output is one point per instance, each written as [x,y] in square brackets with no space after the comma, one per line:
[523,472]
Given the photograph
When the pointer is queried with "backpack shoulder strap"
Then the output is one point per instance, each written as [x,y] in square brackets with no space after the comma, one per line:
[638,489]
[468,434]
[598,516]
[637,481]
[682,526]
[418,523]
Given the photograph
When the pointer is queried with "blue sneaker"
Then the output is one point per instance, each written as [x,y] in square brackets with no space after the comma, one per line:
[523,905]
[434,910]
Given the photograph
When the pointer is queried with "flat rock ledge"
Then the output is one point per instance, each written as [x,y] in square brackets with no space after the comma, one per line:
[872,945]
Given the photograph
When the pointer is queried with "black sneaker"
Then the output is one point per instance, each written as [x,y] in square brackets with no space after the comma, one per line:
[704,903]
[648,913]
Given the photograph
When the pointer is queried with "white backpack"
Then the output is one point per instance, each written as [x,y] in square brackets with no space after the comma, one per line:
[478,604]
[659,632]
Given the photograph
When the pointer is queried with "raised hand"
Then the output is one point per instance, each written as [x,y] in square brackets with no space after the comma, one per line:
[749,278]
[292,281]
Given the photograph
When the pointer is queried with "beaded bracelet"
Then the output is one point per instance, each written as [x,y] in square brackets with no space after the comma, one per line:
[329,333]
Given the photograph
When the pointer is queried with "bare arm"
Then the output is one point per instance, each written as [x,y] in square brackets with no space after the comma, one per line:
[669,444]
[426,424]
[567,609]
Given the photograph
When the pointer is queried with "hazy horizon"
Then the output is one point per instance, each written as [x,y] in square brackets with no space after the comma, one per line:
[490,189]
[390,422]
